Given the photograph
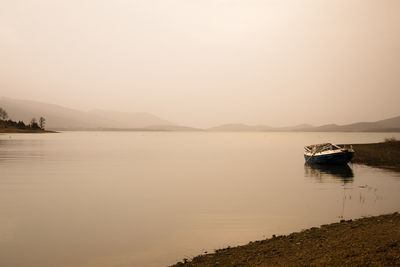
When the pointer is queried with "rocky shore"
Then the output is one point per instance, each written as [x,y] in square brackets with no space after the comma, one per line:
[372,241]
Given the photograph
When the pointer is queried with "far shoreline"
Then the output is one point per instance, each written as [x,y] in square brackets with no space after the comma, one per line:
[22,131]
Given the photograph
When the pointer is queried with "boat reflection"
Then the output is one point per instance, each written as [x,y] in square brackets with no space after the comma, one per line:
[329,173]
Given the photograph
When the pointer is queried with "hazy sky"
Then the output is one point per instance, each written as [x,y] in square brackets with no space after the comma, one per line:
[206,62]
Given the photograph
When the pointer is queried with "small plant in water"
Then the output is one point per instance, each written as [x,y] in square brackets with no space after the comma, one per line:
[391,140]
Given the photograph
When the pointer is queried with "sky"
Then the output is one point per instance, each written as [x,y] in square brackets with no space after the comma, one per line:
[207,62]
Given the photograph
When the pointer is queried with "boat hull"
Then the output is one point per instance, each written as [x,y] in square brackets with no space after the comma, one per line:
[337,158]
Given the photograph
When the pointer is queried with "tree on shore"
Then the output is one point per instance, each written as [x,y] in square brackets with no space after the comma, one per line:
[34,124]
[3,114]
[42,122]
[21,125]
[8,123]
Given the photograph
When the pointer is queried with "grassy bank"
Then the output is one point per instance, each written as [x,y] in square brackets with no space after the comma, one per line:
[383,155]
[363,242]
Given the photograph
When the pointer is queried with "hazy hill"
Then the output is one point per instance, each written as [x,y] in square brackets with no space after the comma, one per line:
[387,125]
[61,118]
[172,128]
[236,127]
[155,128]
[300,127]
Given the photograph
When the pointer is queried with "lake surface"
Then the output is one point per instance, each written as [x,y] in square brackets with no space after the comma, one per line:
[154,198]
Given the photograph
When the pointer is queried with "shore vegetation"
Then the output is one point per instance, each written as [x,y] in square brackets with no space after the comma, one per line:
[383,155]
[10,126]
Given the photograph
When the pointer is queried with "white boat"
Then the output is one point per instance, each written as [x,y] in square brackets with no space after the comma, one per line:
[328,153]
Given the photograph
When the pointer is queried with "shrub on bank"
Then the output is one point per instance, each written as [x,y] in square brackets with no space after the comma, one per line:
[8,123]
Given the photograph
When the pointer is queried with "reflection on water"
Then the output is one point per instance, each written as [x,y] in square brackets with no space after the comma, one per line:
[326,173]
[99,199]
[19,150]
[333,173]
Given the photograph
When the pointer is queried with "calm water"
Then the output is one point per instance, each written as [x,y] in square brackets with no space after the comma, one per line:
[151,199]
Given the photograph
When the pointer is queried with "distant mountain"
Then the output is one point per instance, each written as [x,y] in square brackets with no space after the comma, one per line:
[172,128]
[240,128]
[300,127]
[237,127]
[61,118]
[155,128]
[387,125]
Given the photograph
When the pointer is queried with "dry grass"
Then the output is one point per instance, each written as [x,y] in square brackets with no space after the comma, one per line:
[385,154]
